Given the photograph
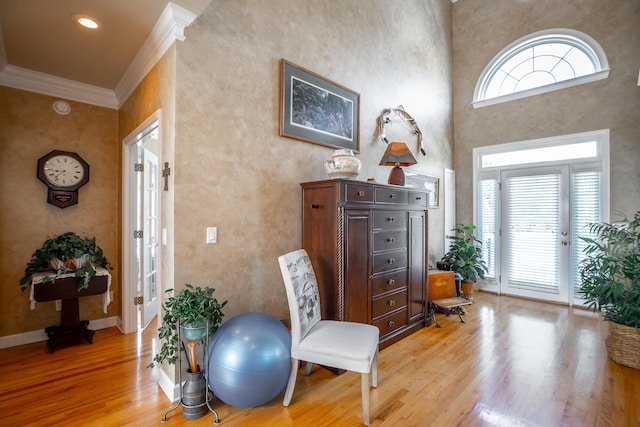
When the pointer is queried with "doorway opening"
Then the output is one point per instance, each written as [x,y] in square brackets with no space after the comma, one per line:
[141,225]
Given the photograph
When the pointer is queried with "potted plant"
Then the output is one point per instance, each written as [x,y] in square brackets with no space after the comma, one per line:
[189,310]
[465,257]
[192,307]
[66,253]
[610,282]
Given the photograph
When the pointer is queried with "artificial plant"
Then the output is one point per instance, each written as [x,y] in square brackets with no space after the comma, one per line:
[465,254]
[191,308]
[610,273]
[66,253]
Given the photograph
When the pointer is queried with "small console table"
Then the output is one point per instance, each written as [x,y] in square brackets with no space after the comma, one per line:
[65,288]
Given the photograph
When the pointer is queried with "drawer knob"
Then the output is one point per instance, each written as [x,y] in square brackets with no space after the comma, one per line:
[391,282]
[418,198]
[361,193]
[391,219]
[391,240]
[391,323]
[391,261]
[391,303]
[314,206]
[393,196]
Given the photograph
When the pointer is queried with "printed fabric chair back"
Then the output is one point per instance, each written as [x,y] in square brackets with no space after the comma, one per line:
[302,293]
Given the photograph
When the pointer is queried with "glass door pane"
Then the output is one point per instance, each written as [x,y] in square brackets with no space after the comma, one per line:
[535,231]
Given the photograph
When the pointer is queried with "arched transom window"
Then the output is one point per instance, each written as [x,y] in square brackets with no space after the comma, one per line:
[541,62]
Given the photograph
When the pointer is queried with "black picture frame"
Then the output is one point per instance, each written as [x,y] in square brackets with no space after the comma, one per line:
[317,110]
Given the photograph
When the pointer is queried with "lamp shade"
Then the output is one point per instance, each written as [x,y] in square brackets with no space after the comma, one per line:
[397,154]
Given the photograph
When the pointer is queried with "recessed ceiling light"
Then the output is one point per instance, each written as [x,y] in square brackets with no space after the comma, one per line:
[86,21]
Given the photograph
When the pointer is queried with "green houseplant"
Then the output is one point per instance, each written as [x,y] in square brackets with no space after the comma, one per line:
[192,307]
[66,253]
[465,257]
[610,282]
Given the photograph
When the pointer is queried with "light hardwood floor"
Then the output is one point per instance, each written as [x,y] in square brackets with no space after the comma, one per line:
[514,363]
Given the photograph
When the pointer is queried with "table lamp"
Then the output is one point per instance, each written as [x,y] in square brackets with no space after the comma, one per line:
[397,154]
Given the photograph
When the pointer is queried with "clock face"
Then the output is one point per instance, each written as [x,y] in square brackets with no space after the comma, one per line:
[63,171]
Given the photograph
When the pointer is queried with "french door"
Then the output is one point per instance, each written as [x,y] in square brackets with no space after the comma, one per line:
[535,237]
[149,244]
[141,223]
[534,201]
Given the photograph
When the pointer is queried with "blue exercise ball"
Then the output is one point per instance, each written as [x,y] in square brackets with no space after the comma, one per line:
[249,360]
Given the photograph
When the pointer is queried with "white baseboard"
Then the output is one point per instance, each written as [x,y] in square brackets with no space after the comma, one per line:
[104,323]
[40,335]
[171,390]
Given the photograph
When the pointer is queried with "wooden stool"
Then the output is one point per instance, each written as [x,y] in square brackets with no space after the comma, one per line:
[443,295]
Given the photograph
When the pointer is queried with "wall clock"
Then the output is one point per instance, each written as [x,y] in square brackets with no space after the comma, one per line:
[63,172]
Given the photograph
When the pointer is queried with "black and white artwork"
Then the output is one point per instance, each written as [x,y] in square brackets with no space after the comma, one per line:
[305,288]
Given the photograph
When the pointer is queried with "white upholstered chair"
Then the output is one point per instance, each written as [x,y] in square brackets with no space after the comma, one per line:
[349,346]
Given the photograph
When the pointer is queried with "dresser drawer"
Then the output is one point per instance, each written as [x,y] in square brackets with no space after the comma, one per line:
[389,282]
[391,323]
[387,261]
[389,220]
[359,193]
[391,195]
[387,240]
[388,303]
[418,198]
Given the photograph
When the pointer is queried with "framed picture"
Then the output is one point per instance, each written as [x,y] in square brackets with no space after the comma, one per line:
[317,110]
[421,181]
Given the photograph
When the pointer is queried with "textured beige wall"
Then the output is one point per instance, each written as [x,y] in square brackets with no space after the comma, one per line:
[483,27]
[157,92]
[230,168]
[233,171]
[29,129]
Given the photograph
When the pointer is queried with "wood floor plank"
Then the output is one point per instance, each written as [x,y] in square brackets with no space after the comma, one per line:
[515,362]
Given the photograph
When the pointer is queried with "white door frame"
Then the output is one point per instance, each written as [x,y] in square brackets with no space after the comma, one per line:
[129,266]
[449,208]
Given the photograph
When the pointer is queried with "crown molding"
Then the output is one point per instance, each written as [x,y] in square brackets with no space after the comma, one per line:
[169,28]
[46,84]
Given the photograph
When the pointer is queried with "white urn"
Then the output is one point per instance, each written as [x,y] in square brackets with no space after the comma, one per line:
[343,164]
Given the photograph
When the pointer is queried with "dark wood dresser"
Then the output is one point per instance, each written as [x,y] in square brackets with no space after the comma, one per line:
[368,246]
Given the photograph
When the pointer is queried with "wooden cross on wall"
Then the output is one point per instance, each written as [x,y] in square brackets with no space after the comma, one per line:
[165,174]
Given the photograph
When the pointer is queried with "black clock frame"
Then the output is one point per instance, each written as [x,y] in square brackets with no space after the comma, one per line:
[62,197]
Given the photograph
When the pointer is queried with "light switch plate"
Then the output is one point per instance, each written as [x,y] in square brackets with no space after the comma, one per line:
[212,235]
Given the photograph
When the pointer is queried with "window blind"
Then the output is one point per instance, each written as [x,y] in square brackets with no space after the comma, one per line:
[533,227]
[586,196]
[487,223]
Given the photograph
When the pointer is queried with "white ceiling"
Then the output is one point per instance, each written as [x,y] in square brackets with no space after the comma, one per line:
[41,47]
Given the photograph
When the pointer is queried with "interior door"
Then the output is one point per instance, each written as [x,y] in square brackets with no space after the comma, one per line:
[150,237]
[141,228]
[535,233]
